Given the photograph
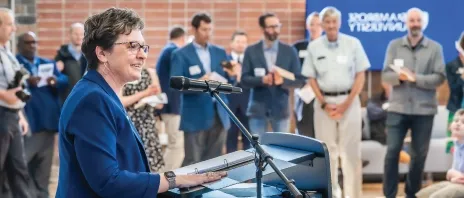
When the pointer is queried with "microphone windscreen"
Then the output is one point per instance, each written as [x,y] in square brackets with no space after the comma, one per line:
[178,82]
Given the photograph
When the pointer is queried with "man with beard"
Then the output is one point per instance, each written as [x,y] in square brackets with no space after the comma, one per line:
[413,104]
[269,90]
[336,65]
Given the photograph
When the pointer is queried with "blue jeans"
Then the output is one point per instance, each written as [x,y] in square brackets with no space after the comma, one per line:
[259,125]
[397,127]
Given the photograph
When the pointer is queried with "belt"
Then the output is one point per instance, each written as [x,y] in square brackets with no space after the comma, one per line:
[336,93]
[9,109]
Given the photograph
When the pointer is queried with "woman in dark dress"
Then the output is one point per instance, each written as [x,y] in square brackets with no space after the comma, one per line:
[143,115]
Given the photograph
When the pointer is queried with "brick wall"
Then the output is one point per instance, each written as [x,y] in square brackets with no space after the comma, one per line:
[55,16]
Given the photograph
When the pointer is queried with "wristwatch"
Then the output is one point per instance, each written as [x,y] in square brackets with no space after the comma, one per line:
[171,177]
[323,105]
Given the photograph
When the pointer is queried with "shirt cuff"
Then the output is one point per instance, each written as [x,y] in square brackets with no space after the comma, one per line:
[420,80]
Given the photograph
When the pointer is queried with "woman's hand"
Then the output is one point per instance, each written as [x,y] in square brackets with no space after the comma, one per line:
[184,181]
[151,90]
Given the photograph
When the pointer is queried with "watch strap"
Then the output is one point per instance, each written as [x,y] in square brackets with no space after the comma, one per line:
[323,105]
[172,182]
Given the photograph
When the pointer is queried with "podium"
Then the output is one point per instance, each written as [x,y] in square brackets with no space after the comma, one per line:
[302,159]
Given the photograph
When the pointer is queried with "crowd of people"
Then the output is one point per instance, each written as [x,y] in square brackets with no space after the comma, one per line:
[93,95]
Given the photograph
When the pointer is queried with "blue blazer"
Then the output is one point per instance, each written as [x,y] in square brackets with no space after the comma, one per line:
[198,111]
[270,101]
[163,69]
[101,154]
[456,85]
[44,107]
[239,101]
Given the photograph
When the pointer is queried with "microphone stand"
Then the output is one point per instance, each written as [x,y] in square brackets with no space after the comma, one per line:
[262,158]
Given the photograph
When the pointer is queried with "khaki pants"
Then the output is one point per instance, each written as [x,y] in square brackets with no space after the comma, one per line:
[343,139]
[174,154]
[444,189]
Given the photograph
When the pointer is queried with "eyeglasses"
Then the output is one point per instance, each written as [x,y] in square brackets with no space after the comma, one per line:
[30,42]
[135,46]
[277,26]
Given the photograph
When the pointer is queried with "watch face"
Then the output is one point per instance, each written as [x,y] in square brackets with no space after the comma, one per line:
[170,174]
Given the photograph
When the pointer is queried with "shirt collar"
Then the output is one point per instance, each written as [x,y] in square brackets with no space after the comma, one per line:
[333,44]
[25,60]
[198,46]
[74,53]
[460,146]
[424,41]
[273,47]
[236,56]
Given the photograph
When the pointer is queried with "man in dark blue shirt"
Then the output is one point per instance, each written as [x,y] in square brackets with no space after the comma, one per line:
[174,154]
[42,112]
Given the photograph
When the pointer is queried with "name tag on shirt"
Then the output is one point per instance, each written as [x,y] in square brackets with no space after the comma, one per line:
[398,62]
[342,59]
[217,77]
[302,53]
[194,70]
[460,71]
[260,72]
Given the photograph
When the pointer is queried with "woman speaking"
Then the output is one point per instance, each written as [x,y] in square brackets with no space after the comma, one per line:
[101,154]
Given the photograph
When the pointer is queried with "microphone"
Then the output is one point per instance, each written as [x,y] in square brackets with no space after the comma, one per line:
[186,84]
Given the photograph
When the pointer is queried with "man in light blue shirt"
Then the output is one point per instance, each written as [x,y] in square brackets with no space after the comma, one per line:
[335,66]
[204,55]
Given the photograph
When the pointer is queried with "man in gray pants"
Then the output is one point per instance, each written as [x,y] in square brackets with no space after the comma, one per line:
[13,125]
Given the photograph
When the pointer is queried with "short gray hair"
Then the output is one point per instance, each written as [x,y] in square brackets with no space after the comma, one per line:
[76,25]
[6,11]
[331,12]
[310,17]
[414,9]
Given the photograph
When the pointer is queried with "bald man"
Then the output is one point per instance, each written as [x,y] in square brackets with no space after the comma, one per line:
[42,112]
[413,104]
[69,58]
